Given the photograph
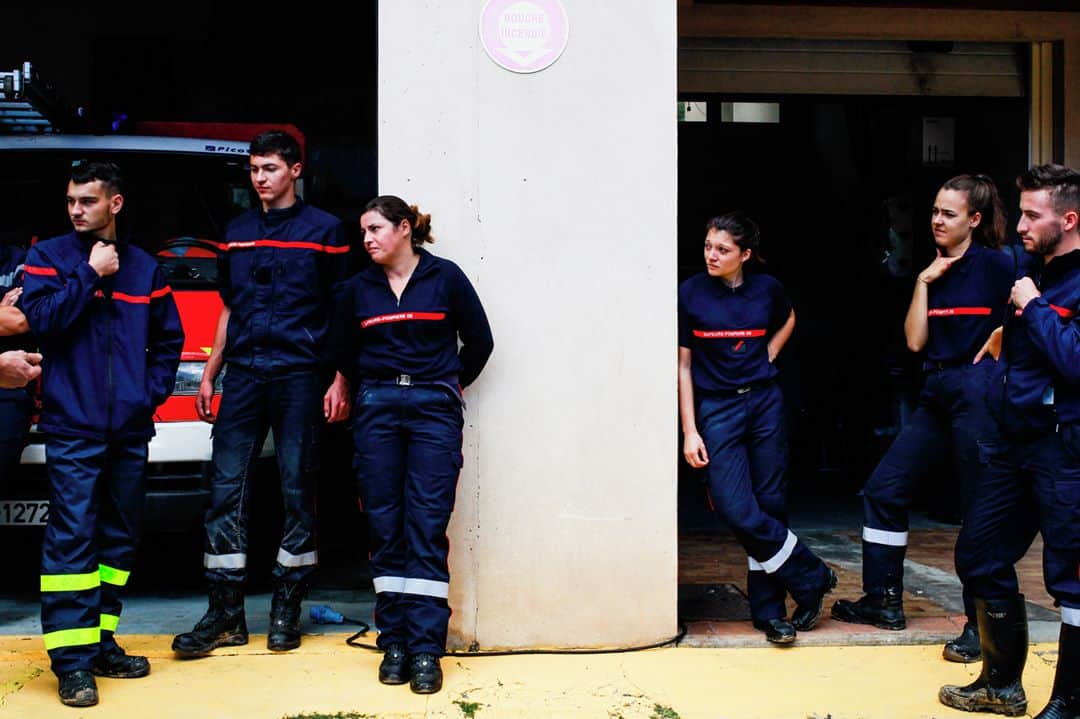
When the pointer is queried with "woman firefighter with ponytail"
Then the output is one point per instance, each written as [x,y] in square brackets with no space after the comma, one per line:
[732,325]
[957,301]
[400,320]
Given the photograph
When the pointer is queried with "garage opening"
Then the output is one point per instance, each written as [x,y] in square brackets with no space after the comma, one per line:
[837,150]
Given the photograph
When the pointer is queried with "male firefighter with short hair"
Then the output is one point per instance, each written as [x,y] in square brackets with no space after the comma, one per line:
[278,266]
[111,336]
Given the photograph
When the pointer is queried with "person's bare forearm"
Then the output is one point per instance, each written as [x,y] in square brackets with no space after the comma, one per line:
[12,322]
[217,353]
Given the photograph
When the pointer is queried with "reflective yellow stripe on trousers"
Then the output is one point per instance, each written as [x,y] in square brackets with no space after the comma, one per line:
[109,622]
[70,582]
[72,637]
[112,575]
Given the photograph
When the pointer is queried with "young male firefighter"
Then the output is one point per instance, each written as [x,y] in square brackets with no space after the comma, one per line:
[111,336]
[1034,397]
[278,265]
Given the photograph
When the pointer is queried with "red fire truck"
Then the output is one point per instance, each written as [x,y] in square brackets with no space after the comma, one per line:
[184,182]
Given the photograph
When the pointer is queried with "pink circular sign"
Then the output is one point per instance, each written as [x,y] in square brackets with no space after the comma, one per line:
[524,35]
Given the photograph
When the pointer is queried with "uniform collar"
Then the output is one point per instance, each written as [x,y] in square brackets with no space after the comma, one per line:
[974,250]
[720,286]
[88,239]
[374,271]
[1061,266]
[278,215]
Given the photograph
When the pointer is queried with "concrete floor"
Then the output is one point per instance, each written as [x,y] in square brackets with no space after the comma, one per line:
[723,668]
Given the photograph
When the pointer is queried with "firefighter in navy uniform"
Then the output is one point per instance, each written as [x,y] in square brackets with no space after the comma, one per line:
[399,323]
[732,325]
[111,336]
[278,267]
[956,303]
[16,405]
[1034,398]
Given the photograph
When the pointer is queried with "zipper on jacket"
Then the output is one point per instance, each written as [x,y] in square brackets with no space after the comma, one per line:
[109,307]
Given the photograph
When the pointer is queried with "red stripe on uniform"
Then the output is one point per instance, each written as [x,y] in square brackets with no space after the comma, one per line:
[955,311]
[160,293]
[1063,312]
[728,334]
[283,244]
[46,271]
[132,299]
[401,317]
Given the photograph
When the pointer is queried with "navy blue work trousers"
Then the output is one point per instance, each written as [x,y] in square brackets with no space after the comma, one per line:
[1031,485]
[15,413]
[944,431]
[407,462]
[96,498]
[251,405]
[746,438]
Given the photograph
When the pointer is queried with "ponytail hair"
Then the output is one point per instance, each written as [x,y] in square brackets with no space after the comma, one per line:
[395,210]
[743,231]
[982,197]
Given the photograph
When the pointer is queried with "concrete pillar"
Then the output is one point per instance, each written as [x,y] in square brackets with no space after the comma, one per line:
[556,193]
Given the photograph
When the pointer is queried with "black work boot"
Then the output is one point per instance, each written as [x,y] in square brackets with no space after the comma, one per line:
[964,648]
[777,631]
[808,611]
[394,667]
[285,616]
[223,625]
[78,688]
[1003,635]
[115,663]
[885,610]
[426,674]
[1065,698]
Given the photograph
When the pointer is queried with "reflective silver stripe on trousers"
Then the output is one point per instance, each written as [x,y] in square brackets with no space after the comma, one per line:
[288,559]
[427,588]
[884,536]
[1071,616]
[389,584]
[405,585]
[777,560]
[225,561]
[755,565]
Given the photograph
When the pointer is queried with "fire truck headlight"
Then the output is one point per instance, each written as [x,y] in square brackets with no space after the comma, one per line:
[188,377]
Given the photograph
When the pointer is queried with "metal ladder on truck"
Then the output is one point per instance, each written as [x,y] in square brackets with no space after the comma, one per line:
[28,104]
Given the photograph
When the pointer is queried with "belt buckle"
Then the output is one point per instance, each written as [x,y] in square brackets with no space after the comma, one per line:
[403,380]
[742,390]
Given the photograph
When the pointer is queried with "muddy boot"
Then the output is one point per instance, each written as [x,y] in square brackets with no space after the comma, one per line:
[964,648]
[223,625]
[884,610]
[118,664]
[1003,635]
[285,616]
[78,688]
[394,667]
[426,674]
[1065,699]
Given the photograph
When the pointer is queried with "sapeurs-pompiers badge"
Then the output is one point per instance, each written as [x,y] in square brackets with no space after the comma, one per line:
[524,35]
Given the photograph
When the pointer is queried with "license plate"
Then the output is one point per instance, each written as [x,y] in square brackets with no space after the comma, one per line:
[24,513]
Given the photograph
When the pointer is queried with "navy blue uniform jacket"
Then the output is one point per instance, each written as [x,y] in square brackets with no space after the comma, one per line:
[277,274]
[111,345]
[1036,384]
[381,337]
[967,303]
[728,330]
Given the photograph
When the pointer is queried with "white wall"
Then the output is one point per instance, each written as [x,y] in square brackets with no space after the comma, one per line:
[556,192]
